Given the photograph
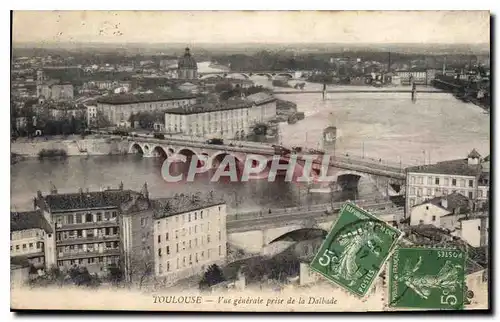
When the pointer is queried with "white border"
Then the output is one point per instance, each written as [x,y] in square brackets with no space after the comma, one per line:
[492,5]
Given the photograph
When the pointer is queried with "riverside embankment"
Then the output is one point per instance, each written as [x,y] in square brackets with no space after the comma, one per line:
[73,146]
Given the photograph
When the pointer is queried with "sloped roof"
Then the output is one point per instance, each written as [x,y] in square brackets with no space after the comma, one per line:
[166,207]
[260,98]
[474,154]
[29,220]
[453,167]
[61,202]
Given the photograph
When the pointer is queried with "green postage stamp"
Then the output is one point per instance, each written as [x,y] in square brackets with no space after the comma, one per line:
[427,278]
[355,249]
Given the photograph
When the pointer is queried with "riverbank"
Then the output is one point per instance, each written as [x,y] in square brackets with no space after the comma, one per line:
[33,148]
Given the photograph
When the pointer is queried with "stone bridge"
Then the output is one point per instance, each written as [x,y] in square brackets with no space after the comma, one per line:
[253,232]
[271,75]
[340,169]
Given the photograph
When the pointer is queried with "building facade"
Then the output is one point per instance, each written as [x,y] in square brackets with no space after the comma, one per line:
[87,228]
[187,68]
[31,238]
[118,109]
[264,107]
[189,235]
[443,178]
[232,119]
[227,120]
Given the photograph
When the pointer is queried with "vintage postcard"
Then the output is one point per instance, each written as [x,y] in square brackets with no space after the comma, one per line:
[270,161]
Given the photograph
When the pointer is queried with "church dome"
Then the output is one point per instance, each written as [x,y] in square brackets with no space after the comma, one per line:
[187,61]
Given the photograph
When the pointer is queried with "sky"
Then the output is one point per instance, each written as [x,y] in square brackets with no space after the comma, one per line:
[191,27]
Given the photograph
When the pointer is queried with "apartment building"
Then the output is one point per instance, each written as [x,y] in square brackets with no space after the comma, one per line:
[31,238]
[87,228]
[469,177]
[189,235]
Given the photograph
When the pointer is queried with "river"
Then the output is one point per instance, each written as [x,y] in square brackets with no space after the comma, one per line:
[380,125]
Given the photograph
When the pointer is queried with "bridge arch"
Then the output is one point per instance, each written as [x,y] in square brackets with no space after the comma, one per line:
[268,75]
[159,151]
[289,75]
[232,75]
[135,148]
[207,76]
[188,152]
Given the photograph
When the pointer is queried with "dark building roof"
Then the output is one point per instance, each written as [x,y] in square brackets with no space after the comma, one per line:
[452,167]
[454,201]
[179,204]
[61,202]
[122,99]
[209,107]
[474,154]
[187,61]
[29,220]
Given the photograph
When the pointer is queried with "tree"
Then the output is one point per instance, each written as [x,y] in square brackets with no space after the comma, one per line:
[212,276]
[223,87]
[115,273]
[141,267]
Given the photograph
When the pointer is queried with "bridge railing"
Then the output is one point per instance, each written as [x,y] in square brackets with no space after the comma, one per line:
[277,212]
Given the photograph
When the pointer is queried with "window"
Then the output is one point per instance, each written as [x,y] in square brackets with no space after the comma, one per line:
[426,207]
[201,214]
[38,245]
[70,219]
[99,217]
[184,261]
[177,247]
[421,222]
[168,266]
[143,222]
[17,247]
[24,246]
[114,214]
[189,217]
[159,252]
[478,227]
[220,235]
[462,182]
[453,182]
[433,218]
[168,250]
[412,179]
[208,238]
[480,193]
[176,234]
[159,239]
[195,229]
[446,181]
[106,215]
[471,183]
[412,191]
[190,244]
[88,218]
[183,245]
[470,194]
[160,268]
[429,180]
[190,231]
[166,237]
[436,181]
[220,250]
